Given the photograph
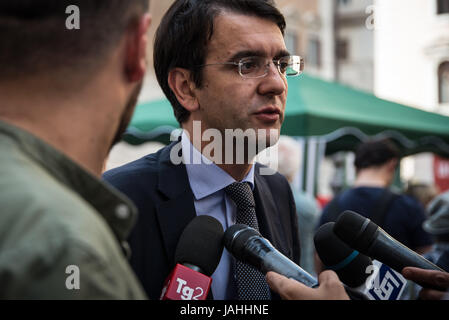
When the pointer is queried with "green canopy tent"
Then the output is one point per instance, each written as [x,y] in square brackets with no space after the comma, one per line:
[325,117]
[343,116]
[152,121]
[339,115]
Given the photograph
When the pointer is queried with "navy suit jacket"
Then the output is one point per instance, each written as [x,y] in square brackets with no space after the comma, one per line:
[162,193]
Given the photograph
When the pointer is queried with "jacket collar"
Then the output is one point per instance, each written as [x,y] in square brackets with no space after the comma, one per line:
[177,208]
[268,216]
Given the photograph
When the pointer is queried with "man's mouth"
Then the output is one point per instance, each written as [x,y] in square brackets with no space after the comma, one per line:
[268,114]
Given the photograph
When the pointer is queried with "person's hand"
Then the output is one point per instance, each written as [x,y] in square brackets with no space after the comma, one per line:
[330,287]
[429,280]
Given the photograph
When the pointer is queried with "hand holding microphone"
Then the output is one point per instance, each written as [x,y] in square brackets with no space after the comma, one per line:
[247,245]
[372,278]
[330,287]
[429,279]
[365,236]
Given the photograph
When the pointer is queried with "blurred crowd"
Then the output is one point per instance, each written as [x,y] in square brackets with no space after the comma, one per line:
[418,217]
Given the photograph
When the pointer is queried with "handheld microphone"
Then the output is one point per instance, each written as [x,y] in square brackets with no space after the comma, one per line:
[349,264]
[198,254]
[372,278]
[247,245]
[365,236]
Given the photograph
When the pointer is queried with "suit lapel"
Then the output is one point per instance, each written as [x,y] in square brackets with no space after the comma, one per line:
[175,213]
[267,214]
[177,208]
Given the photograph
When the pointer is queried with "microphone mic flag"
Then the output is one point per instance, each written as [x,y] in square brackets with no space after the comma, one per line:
[197,255]
[372,278]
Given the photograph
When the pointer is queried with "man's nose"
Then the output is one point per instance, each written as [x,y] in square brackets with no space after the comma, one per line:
[274,83]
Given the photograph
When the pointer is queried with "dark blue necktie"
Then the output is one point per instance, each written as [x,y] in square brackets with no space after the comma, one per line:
[251,284]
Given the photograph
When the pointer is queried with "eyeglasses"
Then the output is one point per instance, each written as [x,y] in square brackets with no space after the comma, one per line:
[257,67]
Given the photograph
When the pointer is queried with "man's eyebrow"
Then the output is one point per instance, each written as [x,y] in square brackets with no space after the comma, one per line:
[247,53]
[283,53]
[256,53]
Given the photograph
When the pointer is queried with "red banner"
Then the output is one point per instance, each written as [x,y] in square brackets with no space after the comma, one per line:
[441,173]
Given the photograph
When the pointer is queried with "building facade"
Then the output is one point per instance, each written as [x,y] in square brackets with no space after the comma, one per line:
[411,49]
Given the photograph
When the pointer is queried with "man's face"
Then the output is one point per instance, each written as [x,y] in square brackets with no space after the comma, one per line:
[226,100]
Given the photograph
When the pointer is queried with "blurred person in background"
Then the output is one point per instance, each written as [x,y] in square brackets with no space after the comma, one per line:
[399,215]
[422,192]
[437,224]
[66,96]
[307,208]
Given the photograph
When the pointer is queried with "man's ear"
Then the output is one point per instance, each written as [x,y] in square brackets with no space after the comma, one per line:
[183,87]
[392,164]
[136,49]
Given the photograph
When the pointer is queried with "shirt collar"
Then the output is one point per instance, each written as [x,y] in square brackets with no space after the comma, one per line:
[119,212]
[206,177]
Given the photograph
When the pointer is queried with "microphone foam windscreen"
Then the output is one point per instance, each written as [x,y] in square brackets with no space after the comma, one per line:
[357,231]
[349,264]
[201,244]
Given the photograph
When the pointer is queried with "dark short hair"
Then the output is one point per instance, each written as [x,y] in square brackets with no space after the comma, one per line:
[375,153]
[185,31]
[35,39]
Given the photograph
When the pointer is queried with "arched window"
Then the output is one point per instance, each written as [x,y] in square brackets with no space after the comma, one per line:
[443,82]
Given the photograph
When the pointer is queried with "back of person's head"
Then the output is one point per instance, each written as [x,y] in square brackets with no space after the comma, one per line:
[185,31]
[35,38]
[375,154]
[437,223]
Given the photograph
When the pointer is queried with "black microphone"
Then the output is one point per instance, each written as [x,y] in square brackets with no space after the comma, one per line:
[350,265]
[362,234]
[197,255]
[247,245]
[374,279]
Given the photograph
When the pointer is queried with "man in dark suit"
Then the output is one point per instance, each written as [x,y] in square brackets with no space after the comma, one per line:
[223,65]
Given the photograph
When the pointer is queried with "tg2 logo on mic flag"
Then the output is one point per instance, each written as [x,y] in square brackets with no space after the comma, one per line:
[384,283]
[186,284]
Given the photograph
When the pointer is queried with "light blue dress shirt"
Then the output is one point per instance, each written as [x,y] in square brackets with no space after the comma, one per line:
[207,182]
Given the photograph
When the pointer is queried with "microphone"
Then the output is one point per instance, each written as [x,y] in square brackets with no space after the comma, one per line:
[247,245]
[372,278]
[349,264]
[197,255]
[365,236]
